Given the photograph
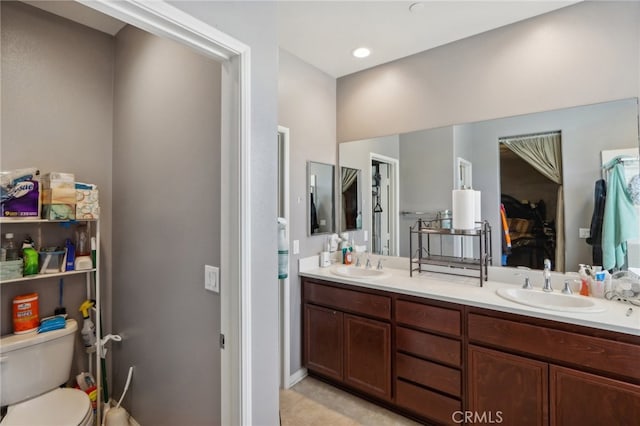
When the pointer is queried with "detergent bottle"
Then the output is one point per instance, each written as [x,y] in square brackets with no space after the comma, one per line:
[88,328]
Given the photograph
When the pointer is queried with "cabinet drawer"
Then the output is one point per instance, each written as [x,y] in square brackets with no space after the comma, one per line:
[427,404]
[557,345]
[429,374]
[431,318]
[436,348]
[348,300]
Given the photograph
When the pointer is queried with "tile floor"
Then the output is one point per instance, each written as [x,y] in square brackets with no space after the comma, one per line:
[312,402]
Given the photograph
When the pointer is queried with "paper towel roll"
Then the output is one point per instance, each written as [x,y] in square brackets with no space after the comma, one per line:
[463,201]
[477,209]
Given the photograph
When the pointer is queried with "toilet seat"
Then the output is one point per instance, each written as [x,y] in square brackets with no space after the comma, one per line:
[62,406]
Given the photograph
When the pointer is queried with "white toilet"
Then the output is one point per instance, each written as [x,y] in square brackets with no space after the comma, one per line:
[32,367]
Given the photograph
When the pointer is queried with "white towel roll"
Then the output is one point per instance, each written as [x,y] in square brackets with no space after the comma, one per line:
[463,201]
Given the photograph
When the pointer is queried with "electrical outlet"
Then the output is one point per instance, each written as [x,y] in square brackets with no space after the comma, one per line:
[366,236]
[584,232]
[212,278]
[296,246]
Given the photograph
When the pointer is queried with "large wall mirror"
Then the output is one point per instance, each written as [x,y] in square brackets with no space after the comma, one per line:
[320,198]
[350,199]
[427,173]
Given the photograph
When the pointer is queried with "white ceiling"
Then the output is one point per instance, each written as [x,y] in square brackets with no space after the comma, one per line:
[323,33]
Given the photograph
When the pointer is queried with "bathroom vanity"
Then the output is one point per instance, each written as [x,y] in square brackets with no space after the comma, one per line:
[448,353]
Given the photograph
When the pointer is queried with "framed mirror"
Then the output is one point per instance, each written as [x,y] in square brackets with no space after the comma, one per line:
[320,198]
[351,199]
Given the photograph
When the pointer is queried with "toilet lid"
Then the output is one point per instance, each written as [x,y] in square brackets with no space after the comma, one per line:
[63,406]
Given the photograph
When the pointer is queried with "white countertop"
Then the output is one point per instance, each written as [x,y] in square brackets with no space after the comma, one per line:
[467,291]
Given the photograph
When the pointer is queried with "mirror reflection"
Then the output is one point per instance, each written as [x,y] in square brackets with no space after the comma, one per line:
[556,215]
[320,198]
[350,200]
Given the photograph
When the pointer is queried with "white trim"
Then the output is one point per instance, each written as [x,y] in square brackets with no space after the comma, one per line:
[284,287]
[395,202]
[162,19]
[297,377]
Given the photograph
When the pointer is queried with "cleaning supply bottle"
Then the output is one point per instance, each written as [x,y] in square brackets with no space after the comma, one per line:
[29,257]
[584,278]
[88,328]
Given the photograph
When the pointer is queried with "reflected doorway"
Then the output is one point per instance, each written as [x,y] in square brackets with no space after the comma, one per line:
[530,201]
[384,212]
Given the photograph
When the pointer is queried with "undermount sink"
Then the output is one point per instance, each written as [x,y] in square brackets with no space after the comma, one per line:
[353,272]
[551,301]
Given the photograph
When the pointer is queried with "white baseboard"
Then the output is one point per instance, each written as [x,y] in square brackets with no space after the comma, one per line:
[297,376]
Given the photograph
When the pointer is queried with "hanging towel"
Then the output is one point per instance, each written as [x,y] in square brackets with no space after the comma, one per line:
[595,239]
[314,216]
[620,222]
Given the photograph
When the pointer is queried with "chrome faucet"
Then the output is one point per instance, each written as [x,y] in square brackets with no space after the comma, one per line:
[379,267]
[527,282]
[547,276]
[367,265]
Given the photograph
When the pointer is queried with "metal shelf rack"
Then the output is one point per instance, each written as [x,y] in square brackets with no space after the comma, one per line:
[424,252]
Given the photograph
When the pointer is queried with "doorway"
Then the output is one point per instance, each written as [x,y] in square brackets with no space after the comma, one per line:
[530,201]
[164,20]
[384,211]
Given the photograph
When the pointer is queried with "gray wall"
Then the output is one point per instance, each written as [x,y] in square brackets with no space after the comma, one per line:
[254,23]
[166,228]
[306,105]
[430,152]
[581,54]
[57,115]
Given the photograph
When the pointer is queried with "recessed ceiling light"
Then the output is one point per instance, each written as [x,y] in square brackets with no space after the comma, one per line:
[361,52]
[416,7]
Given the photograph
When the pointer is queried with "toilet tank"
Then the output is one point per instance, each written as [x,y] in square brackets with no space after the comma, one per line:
[32,364]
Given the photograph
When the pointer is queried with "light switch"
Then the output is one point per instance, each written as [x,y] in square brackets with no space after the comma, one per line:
[366,235]
[584,232]
[212,278]
[296,246]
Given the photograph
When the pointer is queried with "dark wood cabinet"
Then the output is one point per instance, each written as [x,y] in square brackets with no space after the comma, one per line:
[367,355]
[579,398]
[351,343]
[324,340]
[509,387]
[443,363]
[545,372]
[428,359]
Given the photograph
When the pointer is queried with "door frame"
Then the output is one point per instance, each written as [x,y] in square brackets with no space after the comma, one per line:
[164,20]
[284,287]
[394,249]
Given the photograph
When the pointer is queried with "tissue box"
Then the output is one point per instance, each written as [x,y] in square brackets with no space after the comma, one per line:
[20,193]
[87,206]
[58,188]
[58,196]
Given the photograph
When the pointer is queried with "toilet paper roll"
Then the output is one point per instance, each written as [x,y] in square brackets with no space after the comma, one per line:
[477,209]
[463,201]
